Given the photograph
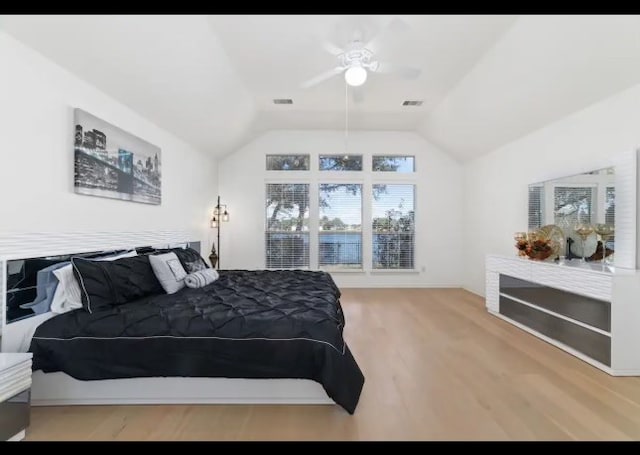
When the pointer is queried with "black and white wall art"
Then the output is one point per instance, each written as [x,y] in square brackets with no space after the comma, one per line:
[110,162]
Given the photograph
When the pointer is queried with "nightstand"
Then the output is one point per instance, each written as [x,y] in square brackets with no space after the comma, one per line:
[15,395]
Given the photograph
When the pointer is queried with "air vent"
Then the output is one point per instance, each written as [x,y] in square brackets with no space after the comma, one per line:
[283,101]
[412,103]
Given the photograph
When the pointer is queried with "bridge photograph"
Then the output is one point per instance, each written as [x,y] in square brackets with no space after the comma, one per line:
[109,162]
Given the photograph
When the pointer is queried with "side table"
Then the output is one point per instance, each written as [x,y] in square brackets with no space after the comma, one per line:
[15,395]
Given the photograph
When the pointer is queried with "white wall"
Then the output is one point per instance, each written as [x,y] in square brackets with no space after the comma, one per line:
[495,203]
[242,179]
[37,98]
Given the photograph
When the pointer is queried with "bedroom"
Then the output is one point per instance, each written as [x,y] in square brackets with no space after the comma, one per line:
[499,103]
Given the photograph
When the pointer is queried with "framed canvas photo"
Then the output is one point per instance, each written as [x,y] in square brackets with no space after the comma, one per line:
[112,163]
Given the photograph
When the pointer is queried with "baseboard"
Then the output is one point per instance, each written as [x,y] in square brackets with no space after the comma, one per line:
[189,400]
[401,285]
[17,437]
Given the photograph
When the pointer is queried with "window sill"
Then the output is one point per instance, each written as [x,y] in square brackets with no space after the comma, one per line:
[343,270]
[372,271]
[381,271]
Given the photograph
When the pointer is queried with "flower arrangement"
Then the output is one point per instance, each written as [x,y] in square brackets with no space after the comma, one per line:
[539,249]
[533,246]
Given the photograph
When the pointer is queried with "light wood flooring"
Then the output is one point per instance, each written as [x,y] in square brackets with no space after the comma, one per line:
[437,366]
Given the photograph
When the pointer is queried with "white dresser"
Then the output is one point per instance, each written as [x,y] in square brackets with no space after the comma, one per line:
[15,391]
[590,311]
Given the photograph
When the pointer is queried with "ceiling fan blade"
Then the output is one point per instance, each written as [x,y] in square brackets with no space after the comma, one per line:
[332,48]
[408,72]
[322,77]
[396,26]
[357,94]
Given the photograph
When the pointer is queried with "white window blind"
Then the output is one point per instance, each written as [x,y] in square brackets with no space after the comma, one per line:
[393,163]
[536,197]
[573,205]
[610,206]
[340,225]
[287,225]
[393,226]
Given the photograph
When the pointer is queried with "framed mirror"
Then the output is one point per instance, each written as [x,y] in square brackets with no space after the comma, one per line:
[583,207]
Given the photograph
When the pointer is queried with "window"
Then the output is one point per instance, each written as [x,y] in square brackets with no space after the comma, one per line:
[393,226]
[572,205]
[390,163]
[288,162]
[610,206]
[535,207]
[287,225]
[340,225]
[340,162]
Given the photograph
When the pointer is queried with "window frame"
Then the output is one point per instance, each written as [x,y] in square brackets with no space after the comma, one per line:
[266,162]
[293,181]
[324,171]
[415,222]
[367,177]
[362,203]
[413,172]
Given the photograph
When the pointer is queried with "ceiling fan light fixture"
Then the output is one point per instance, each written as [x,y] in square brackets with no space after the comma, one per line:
[355,75]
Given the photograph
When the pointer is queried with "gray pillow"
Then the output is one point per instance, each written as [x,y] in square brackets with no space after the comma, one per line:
[46,284]
[169,271]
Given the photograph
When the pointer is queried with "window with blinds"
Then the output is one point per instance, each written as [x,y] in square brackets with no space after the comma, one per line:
[340,225]
[573,205]
[536,212]
[340,162]
[287,225]
[393,226]
[393,163]
[610,206]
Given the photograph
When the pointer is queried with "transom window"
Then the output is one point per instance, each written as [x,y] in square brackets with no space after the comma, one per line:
[393,163]
[340,162]
[287,162]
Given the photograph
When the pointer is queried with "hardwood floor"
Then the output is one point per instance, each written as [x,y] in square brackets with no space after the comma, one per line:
[437,366]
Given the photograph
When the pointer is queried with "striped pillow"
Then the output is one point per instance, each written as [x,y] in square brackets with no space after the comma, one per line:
[201,278]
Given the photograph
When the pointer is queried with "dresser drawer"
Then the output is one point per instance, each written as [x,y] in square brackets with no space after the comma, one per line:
[593,344]
[596,313]
[15,414]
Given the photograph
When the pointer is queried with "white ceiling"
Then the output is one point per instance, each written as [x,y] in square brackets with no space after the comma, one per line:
[543,69]
[171,69]
[485,81]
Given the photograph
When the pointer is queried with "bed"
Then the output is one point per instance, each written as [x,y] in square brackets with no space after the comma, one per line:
[211,341]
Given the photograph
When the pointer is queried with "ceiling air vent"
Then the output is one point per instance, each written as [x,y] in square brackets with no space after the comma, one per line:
[283,101]
[412,103]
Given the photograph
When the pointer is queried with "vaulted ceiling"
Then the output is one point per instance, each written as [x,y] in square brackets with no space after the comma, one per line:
[484,80]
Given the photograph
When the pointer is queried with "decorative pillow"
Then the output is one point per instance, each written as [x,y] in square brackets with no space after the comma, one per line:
[190,259]
[46,285]
[68,295]
[106,283]
[168,271]
[201,278]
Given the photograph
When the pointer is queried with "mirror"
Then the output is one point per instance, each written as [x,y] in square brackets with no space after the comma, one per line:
[583,207]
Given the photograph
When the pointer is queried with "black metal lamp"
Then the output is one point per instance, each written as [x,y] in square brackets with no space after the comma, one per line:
[220,214]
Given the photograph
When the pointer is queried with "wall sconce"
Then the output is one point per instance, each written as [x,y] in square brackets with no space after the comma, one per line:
[220,214]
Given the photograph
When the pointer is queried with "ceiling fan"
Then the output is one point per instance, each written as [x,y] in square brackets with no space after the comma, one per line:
[356,60]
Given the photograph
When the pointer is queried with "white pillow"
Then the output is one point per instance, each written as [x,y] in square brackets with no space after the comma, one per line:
[68,295]
[169,271]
